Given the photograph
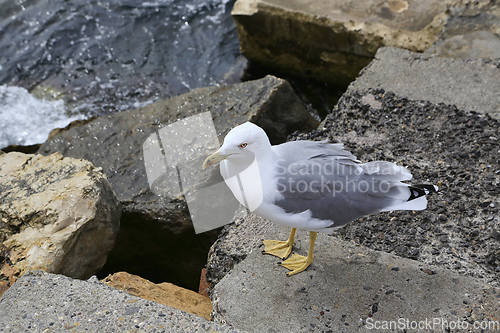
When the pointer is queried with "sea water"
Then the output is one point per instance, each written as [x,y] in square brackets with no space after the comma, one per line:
[107,56]
[27,120]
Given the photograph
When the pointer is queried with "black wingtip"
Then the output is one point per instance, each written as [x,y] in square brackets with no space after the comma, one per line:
[420,190]
[427,187]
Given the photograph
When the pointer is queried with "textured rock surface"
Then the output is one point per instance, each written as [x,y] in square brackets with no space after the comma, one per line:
[334,40]
[438,143]
[163,293]
[233,245]
[56,214]
[204,286]
[348,288]
[115,142]
[58,303]
[468,84]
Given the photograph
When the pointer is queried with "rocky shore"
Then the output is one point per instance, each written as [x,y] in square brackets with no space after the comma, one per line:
[85,191]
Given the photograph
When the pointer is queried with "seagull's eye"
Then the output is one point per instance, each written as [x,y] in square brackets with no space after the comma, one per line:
[243,145]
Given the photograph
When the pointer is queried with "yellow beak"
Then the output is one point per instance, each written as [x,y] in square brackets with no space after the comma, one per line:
[214,158]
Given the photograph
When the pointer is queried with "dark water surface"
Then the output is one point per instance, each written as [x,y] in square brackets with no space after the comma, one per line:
[108,56]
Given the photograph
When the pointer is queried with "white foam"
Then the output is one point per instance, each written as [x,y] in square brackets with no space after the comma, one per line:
[27,120]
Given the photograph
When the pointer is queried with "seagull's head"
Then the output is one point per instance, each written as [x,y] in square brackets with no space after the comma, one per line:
[243,143]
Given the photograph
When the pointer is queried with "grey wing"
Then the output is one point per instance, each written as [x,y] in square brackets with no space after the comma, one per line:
[297,151]
[336,188]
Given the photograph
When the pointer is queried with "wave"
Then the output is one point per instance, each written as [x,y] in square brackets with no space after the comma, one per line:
[26,119]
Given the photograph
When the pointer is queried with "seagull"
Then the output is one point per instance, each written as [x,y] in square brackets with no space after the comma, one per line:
[311,185]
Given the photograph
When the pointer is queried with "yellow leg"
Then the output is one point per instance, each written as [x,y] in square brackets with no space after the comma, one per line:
[297,263]
[279,248]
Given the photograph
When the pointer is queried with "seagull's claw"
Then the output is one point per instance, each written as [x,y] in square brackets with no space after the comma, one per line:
[280,249]
[297,263]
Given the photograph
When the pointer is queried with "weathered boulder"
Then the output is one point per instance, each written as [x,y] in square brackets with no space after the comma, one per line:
[43,302]
[57,214]
[470,84]
[163,293]
[153,226]
[333,40]
[115,142]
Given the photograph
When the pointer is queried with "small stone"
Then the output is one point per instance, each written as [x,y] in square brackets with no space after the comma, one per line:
[131,310]
[485,204]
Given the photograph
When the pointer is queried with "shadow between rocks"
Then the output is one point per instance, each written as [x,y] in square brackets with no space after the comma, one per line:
[147,248]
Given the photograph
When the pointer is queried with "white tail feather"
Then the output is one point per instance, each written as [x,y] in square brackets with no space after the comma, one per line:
[416,204]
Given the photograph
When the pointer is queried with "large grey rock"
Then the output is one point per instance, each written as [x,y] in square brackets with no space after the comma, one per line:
[42,302]
[472,85]
[333,40]
[438,143]
[115,142]
[348,288]
[57,214]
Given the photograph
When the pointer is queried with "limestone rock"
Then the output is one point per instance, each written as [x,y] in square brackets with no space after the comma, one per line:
[56,214]
[333,40]
[163,293]
[115,142]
